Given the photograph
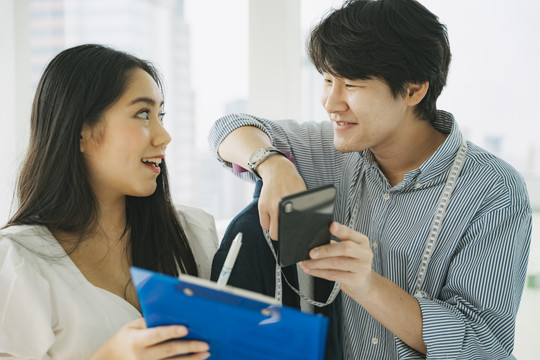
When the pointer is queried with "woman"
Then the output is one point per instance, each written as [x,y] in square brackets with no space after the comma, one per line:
[94,200]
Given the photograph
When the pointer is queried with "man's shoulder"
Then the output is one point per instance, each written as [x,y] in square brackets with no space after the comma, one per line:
[494,173]
[482,160]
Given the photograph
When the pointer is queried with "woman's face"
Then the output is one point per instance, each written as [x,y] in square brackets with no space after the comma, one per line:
[123,151]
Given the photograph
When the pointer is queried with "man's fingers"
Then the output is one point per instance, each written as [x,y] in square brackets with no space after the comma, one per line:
[345,249]
[268,215]
[340,264]
[344,233]
[274,228]
[264,219]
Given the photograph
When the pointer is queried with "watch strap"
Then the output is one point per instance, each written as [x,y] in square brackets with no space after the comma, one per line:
[259,156]
[237,169]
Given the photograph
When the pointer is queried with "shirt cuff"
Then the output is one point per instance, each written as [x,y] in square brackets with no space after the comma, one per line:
[443,331]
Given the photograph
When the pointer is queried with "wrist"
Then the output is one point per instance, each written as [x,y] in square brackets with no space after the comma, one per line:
[274,165]
[370,294]
[260,156]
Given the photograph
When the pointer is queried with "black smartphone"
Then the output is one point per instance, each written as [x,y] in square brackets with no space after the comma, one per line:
[304,221]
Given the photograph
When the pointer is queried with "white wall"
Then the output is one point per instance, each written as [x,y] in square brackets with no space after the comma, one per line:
[275,49]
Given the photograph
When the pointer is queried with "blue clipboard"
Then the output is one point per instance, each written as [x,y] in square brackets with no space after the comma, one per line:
[236,323]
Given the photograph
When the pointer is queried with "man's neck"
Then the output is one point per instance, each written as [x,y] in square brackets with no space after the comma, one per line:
[413,147]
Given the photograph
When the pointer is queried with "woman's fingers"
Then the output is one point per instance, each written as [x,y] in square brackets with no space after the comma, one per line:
[169,349]
[159,334]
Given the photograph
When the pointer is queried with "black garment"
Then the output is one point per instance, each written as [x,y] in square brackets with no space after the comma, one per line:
[255,266]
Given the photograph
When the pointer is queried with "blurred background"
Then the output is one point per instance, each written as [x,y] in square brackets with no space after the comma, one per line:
[219,57]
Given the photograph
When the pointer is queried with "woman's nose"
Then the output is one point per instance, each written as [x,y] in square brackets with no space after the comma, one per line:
[162,138]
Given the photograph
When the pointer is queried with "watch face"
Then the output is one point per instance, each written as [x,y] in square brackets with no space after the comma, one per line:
[258,156]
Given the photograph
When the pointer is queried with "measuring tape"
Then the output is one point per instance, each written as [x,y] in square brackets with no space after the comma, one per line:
[457,166]
[435,229]
[279,285]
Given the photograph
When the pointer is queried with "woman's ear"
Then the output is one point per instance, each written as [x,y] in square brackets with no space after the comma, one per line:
[416,92]
[86,135]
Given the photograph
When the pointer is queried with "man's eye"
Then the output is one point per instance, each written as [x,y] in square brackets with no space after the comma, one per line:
[145,114]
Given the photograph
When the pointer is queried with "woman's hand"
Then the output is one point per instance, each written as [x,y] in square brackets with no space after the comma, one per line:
[135,341]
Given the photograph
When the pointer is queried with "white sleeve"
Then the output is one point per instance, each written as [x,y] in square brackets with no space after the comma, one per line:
[25,305]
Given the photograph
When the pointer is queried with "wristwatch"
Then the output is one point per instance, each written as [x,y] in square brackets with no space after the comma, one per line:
[259,156]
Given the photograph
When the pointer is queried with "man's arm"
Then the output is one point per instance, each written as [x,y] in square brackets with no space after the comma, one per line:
[279,175]
[241,143]
[234,138]
[475,312]
[349,262]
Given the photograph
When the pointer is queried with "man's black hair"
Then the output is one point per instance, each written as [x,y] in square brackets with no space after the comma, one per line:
[397,41]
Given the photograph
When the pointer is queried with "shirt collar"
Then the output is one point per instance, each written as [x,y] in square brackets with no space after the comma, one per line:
[441,160]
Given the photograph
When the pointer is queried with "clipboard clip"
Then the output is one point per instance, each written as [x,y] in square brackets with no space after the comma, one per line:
[273,313]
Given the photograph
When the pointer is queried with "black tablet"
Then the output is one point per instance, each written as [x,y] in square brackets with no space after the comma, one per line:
[304,221]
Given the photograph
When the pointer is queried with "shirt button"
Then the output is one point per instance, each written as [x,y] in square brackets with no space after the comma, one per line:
[417,185]
[386,196]
[374,244]
[374,341]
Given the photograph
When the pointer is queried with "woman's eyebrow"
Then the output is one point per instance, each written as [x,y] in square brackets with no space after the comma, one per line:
[146,100]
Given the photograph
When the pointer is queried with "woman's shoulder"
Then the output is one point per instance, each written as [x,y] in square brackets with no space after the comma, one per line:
[193,215]
[25,241]
[27,305]
[200,229]
[196,220]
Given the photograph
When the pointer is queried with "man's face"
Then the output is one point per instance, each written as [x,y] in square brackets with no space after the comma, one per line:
[364,113]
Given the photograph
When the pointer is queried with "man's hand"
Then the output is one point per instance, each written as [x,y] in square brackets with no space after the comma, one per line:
[348,261]
[280,178]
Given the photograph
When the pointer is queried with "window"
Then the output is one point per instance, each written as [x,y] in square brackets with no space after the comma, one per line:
[220,56]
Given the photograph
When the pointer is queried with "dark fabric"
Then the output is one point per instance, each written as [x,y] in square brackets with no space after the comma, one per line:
[255,266]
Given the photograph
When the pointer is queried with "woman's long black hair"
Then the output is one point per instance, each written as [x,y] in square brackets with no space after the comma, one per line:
[77,86]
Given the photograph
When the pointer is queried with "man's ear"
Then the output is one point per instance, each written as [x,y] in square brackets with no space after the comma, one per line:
[416,92]
[86,136]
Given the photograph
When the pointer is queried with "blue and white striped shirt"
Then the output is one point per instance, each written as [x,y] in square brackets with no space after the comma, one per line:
[476,275]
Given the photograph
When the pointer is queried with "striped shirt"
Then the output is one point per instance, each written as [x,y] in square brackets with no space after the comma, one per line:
[477,271]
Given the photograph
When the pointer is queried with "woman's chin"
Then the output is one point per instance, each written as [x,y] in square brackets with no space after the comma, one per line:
[144,192]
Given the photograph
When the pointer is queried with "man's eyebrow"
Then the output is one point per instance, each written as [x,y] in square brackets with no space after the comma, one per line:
[146,100]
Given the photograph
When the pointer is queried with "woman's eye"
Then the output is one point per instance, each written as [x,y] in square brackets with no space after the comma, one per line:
[145,114]
[161,116]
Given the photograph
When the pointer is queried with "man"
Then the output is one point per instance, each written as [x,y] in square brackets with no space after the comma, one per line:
[433,231]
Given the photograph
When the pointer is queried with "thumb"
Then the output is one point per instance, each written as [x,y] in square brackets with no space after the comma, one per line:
[345,233]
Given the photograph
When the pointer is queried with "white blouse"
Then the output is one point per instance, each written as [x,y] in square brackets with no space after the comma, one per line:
[48,310]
